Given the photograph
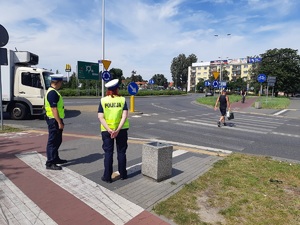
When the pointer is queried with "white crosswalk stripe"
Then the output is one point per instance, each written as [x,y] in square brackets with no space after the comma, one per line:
[242,122]
[109,204]
[15,206]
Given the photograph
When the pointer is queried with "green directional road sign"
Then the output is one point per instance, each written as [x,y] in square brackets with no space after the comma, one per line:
[88,70]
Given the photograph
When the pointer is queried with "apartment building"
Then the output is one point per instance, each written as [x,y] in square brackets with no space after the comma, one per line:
[232,69]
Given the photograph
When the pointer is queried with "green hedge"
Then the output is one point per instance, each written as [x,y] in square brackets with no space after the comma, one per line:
[92,92]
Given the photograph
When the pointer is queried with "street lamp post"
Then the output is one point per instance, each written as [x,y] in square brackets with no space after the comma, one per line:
[220,76]
[103,44]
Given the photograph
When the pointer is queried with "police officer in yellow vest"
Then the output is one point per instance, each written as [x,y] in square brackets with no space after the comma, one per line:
[113,113]
[55,113]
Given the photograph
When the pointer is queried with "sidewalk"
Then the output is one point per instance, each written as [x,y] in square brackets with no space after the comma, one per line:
[292,111]
[30,194]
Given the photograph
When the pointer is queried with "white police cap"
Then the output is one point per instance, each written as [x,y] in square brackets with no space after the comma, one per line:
[56,77]
[113,84]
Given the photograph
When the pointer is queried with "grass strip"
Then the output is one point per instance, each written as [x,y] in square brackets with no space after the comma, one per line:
[240,189]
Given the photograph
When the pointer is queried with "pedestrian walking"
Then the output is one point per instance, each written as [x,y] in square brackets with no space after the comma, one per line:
[113,116]
[223,101]
[243,93]
[55,113]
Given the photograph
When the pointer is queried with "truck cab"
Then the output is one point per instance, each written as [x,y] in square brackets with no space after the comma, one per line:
[24,86]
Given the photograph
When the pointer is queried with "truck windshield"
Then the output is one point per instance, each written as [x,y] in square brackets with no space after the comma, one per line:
[47,79]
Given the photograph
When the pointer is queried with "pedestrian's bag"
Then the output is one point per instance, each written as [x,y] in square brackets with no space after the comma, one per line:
[229,115]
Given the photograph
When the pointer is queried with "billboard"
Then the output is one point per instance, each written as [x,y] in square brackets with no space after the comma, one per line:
[88,70]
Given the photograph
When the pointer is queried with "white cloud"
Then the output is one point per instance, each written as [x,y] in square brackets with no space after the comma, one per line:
[145,35]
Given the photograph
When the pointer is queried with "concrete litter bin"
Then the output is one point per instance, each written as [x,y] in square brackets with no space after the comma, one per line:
[157,160]
[257,105]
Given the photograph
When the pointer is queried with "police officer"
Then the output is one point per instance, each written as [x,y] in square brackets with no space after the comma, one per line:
[55,112]
[113,116]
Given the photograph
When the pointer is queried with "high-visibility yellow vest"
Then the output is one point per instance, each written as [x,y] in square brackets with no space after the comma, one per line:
[60,105]
[113,110]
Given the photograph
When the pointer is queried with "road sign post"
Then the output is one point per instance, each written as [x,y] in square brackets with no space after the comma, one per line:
[261,78]
[132,90]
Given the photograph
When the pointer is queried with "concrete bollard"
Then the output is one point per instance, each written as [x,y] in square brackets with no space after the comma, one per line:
[157,160]
[257,105]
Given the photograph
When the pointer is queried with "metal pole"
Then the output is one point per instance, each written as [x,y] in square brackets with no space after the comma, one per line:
[216,35]
[1,108]
[220,75]
[103,36]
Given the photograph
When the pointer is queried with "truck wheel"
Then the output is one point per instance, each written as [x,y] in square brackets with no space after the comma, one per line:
[19,112]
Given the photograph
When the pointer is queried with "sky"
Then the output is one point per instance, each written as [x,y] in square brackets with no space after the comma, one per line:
[145,35]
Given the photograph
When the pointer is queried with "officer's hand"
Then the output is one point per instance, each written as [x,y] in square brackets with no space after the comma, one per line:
[114,134]
[61,126]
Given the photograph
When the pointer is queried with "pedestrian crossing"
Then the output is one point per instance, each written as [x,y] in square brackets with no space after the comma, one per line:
[241,123]
[16,206]
[111,205]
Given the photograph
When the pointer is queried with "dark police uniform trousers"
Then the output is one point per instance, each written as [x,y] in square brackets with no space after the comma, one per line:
[108,147]
[54,141]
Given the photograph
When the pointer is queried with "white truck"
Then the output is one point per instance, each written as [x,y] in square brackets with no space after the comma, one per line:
[23,86]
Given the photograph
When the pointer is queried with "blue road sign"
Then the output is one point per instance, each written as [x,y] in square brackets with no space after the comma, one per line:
[261,78]
[223,84]
[133,88]
[216,83]
[151,81]
[207,83]
[106,76]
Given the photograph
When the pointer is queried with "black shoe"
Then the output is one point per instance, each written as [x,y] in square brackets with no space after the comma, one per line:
[60,161]
[53,167]
[107,181]
[219,124]
[224,124]
[123,178]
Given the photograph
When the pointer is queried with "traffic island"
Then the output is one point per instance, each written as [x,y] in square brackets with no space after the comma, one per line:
[157,160]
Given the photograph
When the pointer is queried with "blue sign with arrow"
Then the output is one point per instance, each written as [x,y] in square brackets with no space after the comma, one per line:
[133,88]
[151,81]
[261,78]
[216,83]
[106,76]
[207,83]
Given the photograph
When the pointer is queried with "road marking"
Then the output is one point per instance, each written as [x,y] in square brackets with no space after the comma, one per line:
[109,204]
[242,128]
[162,107]
[280,112]
[288,135]
[13,200]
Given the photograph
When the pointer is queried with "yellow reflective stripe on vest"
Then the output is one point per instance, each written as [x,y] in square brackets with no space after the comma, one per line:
[60,105]
[113,110]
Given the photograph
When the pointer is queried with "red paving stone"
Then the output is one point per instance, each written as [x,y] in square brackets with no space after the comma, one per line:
[56,202]
[59,204]
[239,105]
[146,218]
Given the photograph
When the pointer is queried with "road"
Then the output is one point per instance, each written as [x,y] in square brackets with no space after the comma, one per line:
[179,119]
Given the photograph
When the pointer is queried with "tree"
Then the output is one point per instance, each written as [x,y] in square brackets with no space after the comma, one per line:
[116,73]
[179,68]
[135,78]
[73,81]
[159,79]
[284,64]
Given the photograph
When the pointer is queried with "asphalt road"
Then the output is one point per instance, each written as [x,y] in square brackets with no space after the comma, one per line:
[179,119]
